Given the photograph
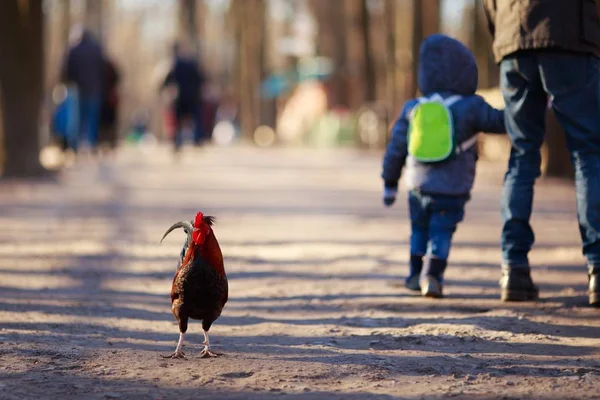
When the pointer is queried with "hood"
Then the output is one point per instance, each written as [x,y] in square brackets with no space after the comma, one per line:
[446,65]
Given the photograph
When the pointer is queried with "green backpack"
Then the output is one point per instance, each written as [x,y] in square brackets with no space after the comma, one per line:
[431,137]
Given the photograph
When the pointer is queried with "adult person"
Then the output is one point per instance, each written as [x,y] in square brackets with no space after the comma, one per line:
[84,66]
[547,50]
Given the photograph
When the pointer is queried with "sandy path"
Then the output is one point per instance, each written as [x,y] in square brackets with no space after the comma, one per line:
[316,305]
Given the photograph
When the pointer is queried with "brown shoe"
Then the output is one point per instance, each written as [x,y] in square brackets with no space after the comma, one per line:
[517,285]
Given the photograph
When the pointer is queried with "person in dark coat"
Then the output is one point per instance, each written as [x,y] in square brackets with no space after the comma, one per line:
[110,104]
[187,77]
[84,66]
[547,50]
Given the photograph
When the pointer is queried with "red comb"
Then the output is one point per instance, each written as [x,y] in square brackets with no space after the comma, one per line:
[198,220]
[201,230]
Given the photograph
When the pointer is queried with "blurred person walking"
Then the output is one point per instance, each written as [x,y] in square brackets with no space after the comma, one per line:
[547,50]
[187,78]
[84,67]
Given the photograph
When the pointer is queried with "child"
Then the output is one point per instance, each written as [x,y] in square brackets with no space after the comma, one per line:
[435,136]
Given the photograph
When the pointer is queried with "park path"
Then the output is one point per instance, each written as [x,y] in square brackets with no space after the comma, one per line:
[315,264]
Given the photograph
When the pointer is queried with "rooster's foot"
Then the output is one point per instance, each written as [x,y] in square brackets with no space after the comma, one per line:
[176,354]
[206,353]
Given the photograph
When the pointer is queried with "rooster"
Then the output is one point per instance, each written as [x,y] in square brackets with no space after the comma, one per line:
[200,288]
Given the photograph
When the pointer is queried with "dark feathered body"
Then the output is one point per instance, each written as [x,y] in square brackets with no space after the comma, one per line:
[200,289]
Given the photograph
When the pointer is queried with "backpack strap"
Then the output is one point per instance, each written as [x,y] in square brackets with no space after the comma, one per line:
[449,101]
[420,100]
[466,145]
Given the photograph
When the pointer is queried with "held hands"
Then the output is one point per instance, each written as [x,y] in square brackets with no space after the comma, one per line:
[389,196]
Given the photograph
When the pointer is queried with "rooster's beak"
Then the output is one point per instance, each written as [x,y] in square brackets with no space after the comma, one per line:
[187,227]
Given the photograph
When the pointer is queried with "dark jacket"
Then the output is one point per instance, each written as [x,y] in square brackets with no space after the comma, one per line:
[187,77]
[571,25]
[446,67]
[84,66]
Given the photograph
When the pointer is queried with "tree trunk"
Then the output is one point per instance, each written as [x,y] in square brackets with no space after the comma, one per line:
[21,84]
[401,50]
[426,21]
[188,26]
[489,73]
[57,27]
[249,17]
[65,21]
[340,53]
[353,37]
[370,80]
[391,57]
[2,155]
[93,18]
[417,38]
[267,107]
[332,43]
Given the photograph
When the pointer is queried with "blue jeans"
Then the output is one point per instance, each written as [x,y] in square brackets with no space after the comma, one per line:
[433,223]
[572,82]
[89,119]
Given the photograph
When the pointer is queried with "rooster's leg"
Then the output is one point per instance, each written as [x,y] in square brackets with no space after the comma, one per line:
[178,350]
[206,353]
[205,343]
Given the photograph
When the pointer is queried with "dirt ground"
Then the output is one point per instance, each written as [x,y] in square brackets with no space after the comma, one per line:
[315,264]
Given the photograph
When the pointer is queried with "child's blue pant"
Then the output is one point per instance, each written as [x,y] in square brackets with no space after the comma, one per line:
[433,222]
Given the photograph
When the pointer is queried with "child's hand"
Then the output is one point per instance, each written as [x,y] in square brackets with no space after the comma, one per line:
[389,196]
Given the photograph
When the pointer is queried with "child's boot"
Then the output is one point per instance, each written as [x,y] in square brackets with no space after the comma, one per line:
[594,287]
[432,284]
[416,265]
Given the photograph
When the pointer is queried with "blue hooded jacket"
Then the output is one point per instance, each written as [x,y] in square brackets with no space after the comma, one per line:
[446,67]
